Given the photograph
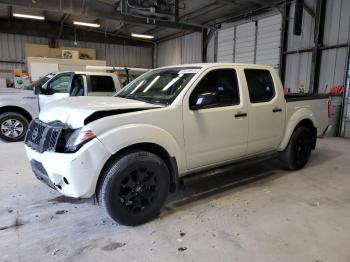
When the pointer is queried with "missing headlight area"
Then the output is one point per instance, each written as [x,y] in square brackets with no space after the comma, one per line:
[52,136]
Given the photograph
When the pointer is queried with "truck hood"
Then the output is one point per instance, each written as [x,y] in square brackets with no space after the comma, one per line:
[79,111]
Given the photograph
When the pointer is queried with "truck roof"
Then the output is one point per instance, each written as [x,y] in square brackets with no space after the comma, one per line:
[86,72]
[209,65]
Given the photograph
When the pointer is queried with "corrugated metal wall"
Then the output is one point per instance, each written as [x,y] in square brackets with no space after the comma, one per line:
[118,55]
[333,61]
[169,52]
[245,43]
[12,52]
[238,46]
[226,40]
[181,50]
[268,41]
[251,42]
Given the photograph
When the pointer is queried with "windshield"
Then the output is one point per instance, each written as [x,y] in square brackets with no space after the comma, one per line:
[159,86]
[39,82]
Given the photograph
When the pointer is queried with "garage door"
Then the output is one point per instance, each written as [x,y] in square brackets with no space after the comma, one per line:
[245,43]
[268,41]
[253,42]
[226,45]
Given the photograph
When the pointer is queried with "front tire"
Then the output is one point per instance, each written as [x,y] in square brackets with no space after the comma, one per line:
[134,188]
[13,127]
[299,148]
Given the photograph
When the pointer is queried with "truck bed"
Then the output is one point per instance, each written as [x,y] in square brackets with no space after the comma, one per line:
[318,105]
[292,97]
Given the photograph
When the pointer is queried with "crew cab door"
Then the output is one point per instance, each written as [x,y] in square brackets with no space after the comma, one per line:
[215,119]
[57,88]
[266,110]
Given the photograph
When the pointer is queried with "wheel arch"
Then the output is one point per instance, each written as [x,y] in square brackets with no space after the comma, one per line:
[156,149]
[16,109]
[305,121]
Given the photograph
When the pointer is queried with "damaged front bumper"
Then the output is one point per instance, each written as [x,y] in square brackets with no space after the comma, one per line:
[72,174]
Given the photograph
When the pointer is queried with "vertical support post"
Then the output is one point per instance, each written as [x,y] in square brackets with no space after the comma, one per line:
[204,44]
[255,40]
[176,11]
[318,40]
[234,44]
[127,75]
[298,17]
[216,47]
[154,55]
[284,40]
[346,95]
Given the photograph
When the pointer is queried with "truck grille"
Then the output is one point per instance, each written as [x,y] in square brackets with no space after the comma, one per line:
[42,136]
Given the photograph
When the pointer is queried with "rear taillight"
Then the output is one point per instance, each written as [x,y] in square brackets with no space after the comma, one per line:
[329,107]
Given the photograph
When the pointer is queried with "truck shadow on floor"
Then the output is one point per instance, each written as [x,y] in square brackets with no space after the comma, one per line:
[233,178]
[215,183]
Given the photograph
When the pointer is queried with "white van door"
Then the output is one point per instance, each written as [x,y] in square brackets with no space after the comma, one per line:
[57,88]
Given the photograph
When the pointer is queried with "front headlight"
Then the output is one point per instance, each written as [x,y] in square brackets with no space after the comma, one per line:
[78,138]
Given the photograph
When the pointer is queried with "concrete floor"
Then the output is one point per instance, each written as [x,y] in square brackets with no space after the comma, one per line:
[254,212]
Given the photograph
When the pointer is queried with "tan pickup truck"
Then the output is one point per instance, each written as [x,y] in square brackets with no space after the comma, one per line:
[132,149]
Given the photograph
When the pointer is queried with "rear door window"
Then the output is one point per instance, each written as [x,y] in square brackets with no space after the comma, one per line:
[101,84]
[260,85]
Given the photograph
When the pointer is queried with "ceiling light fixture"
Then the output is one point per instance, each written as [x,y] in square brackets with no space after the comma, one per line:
[142,36]
[86,24]
[36,17]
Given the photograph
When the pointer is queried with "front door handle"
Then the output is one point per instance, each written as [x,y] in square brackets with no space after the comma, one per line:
[277,109]
[240,114]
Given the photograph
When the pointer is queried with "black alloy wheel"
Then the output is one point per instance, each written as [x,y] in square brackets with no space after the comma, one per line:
[299,148]
[302,148]
[134,187]
[139,189]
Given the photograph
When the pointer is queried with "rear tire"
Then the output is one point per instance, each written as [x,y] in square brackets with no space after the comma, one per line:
[13,127]
[298,151]
[134,188]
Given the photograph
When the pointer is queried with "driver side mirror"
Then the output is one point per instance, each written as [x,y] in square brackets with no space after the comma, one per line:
[205,100]
[37,89]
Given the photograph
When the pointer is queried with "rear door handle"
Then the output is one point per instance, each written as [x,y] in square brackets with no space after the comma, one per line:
[240,114]
[276,109]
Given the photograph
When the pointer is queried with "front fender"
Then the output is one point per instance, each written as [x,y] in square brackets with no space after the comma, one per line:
[298,116]
[127,135]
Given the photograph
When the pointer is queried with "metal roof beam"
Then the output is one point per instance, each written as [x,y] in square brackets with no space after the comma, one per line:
[50,29]
[195,13]
[97,9]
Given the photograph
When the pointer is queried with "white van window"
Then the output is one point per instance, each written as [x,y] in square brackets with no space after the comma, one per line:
[59,84]
[101,84]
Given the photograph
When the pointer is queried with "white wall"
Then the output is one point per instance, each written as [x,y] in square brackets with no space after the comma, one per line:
[181,50]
